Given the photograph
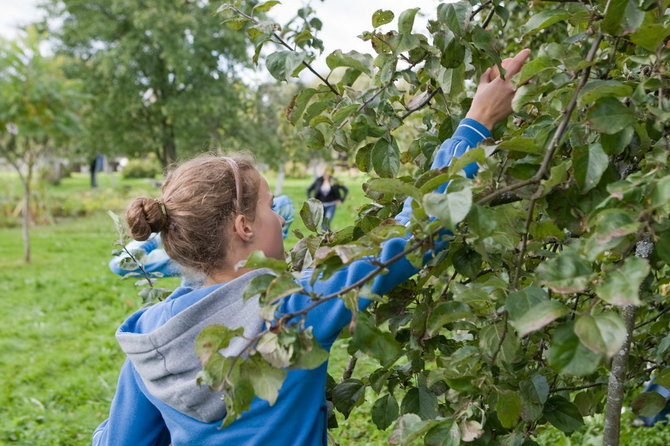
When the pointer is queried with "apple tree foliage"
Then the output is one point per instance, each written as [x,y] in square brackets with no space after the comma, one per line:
[557,265]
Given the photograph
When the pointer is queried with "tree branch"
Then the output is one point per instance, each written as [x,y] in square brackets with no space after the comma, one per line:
[655,318]
[524,242]
[583,386]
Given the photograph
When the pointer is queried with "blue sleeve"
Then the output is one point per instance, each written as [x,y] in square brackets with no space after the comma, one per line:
[329,318]
[133,420]
[156,260]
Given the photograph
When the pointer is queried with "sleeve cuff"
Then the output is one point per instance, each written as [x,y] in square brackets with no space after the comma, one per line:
[472,131]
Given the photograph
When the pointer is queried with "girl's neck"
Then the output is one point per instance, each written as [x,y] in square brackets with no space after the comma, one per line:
[225,276]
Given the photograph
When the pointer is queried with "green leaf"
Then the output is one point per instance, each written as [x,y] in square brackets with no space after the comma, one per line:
[275,353]
[310,355]
[382,17]
[544,19]
[660,194]
[566,273]
[265,379]
[421,401]
[614,16]
[385,158]
[445,313]
[568,356]
[258,260]
[282,64]
[311,214]
[347,395]
[622,286]
[258,285]
[409,428]
[609,115]
[385,411]
[352,59]
[520,144]
[214,338]
[451,208]
[265,7]
[298,104]
[406,20]
[446,433]
[590,162]
[597,89]
[508,408]
[490,340]
[563,414]
[648,404]
[282,286]
[455,15]
[313,138]
[662,378]
[530,310]
[371,340]
[602,333]
[394,186]
[616,143]
[534,393]
[650,36]
[535,66]
[467,262]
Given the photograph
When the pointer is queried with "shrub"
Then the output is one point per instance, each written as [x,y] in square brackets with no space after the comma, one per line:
[141,168]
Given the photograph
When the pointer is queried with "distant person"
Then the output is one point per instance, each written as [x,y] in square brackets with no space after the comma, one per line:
[283,206]
[156,262]
[330,192]
[97,165]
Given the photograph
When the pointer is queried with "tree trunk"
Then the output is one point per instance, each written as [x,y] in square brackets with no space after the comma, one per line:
[615,386]
[279,185]
[169,144]
[25,223]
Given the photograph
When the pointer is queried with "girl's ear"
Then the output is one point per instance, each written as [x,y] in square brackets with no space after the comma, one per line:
[242,227]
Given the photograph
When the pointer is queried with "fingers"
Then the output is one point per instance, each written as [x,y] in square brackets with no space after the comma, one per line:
[486,77]
[516,63]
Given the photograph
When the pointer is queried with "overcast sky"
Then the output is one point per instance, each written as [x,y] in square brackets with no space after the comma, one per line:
[343,20]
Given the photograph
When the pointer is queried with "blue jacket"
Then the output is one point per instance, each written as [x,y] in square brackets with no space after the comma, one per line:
[157,401]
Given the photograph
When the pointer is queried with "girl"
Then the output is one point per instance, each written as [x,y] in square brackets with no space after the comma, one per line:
[213,212]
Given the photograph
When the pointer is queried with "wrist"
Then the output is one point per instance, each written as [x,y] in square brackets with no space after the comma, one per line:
[481,118]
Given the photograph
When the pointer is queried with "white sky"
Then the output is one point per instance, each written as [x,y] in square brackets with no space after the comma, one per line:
[343,20]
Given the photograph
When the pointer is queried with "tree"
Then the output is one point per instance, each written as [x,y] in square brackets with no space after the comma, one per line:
[38,108]
[555,281]
[162,75]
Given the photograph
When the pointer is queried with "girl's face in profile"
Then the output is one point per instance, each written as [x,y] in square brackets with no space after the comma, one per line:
[267,226]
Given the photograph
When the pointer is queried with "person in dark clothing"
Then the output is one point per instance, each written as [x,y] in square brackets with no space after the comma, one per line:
[330,192]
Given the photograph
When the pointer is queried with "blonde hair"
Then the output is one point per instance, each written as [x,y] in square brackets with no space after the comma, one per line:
[199,200]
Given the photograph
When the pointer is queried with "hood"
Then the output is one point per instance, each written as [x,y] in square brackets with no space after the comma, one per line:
[164,357]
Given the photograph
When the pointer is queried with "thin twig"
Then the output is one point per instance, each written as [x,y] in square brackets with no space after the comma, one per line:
[488,18]
[140,266]
[479,8]
[583,386]
[349,370]
[524,242]
[422,104]
[502,339]
[655,318]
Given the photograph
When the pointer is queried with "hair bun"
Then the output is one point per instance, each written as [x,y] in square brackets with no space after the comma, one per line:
[145,216]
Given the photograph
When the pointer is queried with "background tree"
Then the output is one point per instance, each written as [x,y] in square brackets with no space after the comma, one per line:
[38,108]
[163,76]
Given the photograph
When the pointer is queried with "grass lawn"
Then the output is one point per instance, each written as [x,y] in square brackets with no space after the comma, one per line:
[59,360]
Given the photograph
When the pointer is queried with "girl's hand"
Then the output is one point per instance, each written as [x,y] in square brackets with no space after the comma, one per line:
[493,100]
